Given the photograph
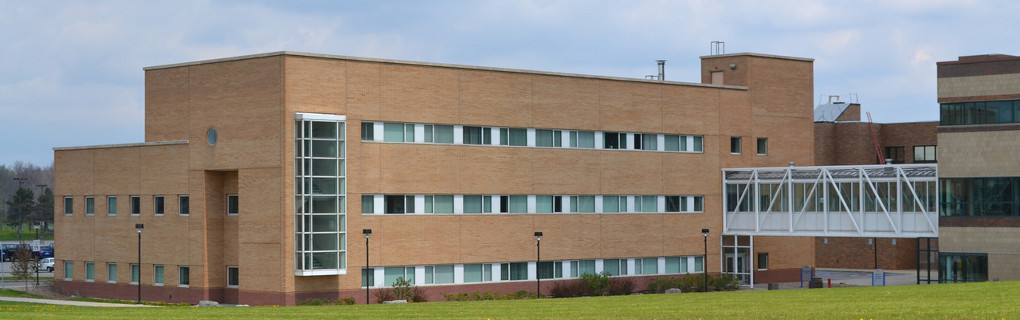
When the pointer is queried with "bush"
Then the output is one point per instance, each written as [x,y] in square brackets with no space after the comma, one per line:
[383,295]
[695,283]
[401,290]
[621,286]
[489,295]
[568,289]
[327,301]
[596,284]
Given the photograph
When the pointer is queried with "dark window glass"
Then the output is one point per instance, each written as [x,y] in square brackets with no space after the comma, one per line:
[963,267]
[184,205]
[136,205]
[367,131]
[232,204]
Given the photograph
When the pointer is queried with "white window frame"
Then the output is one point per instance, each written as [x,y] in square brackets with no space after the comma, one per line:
[226,205]
[162,200]
[180,208]
[238,272]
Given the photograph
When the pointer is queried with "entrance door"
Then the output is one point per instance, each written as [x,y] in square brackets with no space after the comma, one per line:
[740,267]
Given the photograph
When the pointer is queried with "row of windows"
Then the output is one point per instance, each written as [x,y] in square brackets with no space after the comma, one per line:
[921,154]
[762,146]
[979,112]
[158,205]
[527,137]
[979,197]
[455,204]
[158,273]
[518,271]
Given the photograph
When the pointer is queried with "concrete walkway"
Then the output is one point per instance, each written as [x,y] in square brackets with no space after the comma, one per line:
[74,303]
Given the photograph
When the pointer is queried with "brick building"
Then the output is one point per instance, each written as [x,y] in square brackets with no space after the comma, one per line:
[979,139]
[258,173]
[841,138]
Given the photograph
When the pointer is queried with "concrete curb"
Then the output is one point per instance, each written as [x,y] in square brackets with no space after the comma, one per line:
[74,303]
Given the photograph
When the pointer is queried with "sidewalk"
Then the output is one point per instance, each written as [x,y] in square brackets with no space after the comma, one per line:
[74,303]
[850,278]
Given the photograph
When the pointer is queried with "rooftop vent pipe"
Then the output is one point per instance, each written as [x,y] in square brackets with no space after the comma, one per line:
[662,70]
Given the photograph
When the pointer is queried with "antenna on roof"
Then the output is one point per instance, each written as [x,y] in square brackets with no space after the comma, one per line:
[717,47]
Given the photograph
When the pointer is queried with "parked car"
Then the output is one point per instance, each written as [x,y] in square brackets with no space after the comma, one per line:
[44,252]
[9,250]
[45,264]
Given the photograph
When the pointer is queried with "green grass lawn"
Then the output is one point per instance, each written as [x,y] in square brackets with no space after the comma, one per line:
[993,300]
[28,235]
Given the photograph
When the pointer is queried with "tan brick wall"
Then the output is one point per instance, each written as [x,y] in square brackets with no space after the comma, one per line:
[979,154]
[998,243]
[985,85]
[250,102]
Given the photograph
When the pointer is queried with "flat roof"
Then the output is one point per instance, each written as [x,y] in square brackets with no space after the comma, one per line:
[123,145]
[455,66]
[760,55]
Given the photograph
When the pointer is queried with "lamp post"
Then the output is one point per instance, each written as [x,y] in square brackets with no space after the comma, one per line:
[38,261]
[138,228]
[538,264]
[704,261]
[368,234]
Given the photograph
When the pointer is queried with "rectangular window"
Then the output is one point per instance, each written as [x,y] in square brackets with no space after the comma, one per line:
[699,264]
[183,205]
[582,204]
[393,132]
[393,273]
[183,276]
[442,204]
[763,146]
[735,145]
[367,131]
[895,154]
[68,270]
[615,267]
[548,138]
[367,277]
[136,205]
[671,142]
[543,204]
[673,203]
[614,140]
[697,144]
[763,261]
[111,272]
[585,267]
[514,204]
[646,265]
[648,141]
[477,135]
[439,274]
[68,205]
[699,204]
[157,275]
[612,204]
[90,271]
[367,203]
[514,271]
[479,272]
[90,205]
[399,204]
[477,204]
[963,267]
[134,273]
[513,137]
[649,203]
[673,265]
[157,205]
[442,134]
[582,139]
[232,205]
[549,270]
[111,205]
[924,154]
[232,277]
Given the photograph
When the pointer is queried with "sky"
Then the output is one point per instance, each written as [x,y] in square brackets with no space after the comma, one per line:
[71,71]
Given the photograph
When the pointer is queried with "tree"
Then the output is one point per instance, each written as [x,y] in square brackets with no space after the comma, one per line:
[20,205]
[44,209]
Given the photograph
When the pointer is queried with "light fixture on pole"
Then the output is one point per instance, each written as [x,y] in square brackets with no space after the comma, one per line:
[368,234]
[704,261]
[538,264]
[138,228]
[38,261]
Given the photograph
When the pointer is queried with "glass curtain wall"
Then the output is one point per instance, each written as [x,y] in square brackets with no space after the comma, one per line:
[320,194]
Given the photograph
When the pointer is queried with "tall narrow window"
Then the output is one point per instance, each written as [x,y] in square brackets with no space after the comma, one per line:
[157,275]
[763,261]
[68,270]
[68,205]
[367,131]
[735,145]
[134,273]
[111,205]
[136,205]
[183,276]
[90,205]
[232,205]
[233,277]
[367,203]
[90,271]
[183,205]
[157,205]
[320,210]
[111,272]
[763,146]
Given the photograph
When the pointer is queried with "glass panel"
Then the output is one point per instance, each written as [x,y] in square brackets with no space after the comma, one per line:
[649,266]
[473,273]
[586,204]
[586,267]
[323,186]
[672,142]
[444,274]
[325,260]
[612,266]
[158,274]
[672,265]
[649,204]
[543,138]
[443,204]
[367,131]
[650,142]
[321,148]
[544,204]
[697,144]
[546,270]
[323,242]
[444,134]
[393,132]
[673,203]
[699,264]
[325,130]
[324,167]
[518,137]
[610,204]
[586,139]
[324,223]
[367,204]
[472,204]
[518,204]
[324,205]
[472,135]
[409,132]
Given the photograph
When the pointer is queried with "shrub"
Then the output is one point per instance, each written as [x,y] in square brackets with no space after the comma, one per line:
[383,295]
[695,283]
[726,282]
[489,295]
[568,289]
[596,284]
[621,286]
